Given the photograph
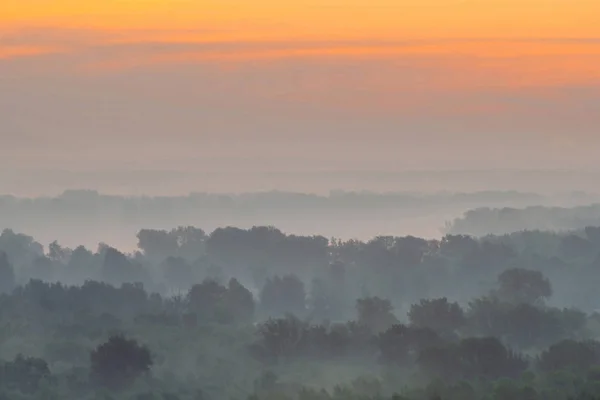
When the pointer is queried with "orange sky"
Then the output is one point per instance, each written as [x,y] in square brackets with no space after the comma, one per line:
[213,21]
[460,72]
[320,18]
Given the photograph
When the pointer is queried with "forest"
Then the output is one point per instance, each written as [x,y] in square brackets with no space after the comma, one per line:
[482,221]
[259,314]
[93,216]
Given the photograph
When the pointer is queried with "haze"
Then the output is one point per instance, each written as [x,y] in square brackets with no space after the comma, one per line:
[171,98]
[96,94]
[309,200]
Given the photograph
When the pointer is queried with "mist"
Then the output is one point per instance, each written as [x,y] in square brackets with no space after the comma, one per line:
[88,217]
[347,294]
[272,312]
[316,200]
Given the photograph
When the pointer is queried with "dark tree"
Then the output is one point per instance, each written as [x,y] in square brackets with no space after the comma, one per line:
[24,374]
[207,301]
[507,389]
[326,300]
[117,268]
[458,246]
[280,338]
[81,266]
[440,362]
[573,246]
[593,234]
[239,302]
[281,296]
[375,313]
[190,242]
[58,254]
[527,325]
[569,354]
[489,358]
[42,268]
[487,316]
[178,273]
[7,274]
[472,358]
[523,286]
[21,249]
[119,361]
[157,244]
[402,344]
[437,314]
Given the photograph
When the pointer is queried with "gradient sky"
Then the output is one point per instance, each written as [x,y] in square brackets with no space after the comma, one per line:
[224,85]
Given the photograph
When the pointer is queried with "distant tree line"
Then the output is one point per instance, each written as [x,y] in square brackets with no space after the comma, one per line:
[484,221]
[332,273]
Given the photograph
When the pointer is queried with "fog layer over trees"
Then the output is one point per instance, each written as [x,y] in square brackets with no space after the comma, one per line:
[499,221]
[92,217]
[260,314]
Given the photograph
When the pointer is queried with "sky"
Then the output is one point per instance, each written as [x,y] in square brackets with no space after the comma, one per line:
[226,90]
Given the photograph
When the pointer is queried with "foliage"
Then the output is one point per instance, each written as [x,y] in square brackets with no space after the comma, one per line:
[7,274]
[119,361]
[375,313]
[522,286]
[260,314]
[437,314]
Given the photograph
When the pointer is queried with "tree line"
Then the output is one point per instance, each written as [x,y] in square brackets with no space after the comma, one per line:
[259,314]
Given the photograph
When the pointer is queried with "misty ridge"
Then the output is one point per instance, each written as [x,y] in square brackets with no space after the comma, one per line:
[403,269]
[260,314]
[311,200]
[92,217]
[484,221]
[194,298]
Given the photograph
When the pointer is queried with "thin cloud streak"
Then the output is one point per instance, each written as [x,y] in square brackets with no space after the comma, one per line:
[470,64]
[79,39]
[457,67]
[17,52]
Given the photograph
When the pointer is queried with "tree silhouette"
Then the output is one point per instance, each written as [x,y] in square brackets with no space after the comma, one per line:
[402,344]
[488,357]
[523,286]
[207,300]
[438,314]
[280,338]
[24,374]
[178,273]
[239,301]
[375,313]
[119,361]
[281,296]
[578,356]
[7,274]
